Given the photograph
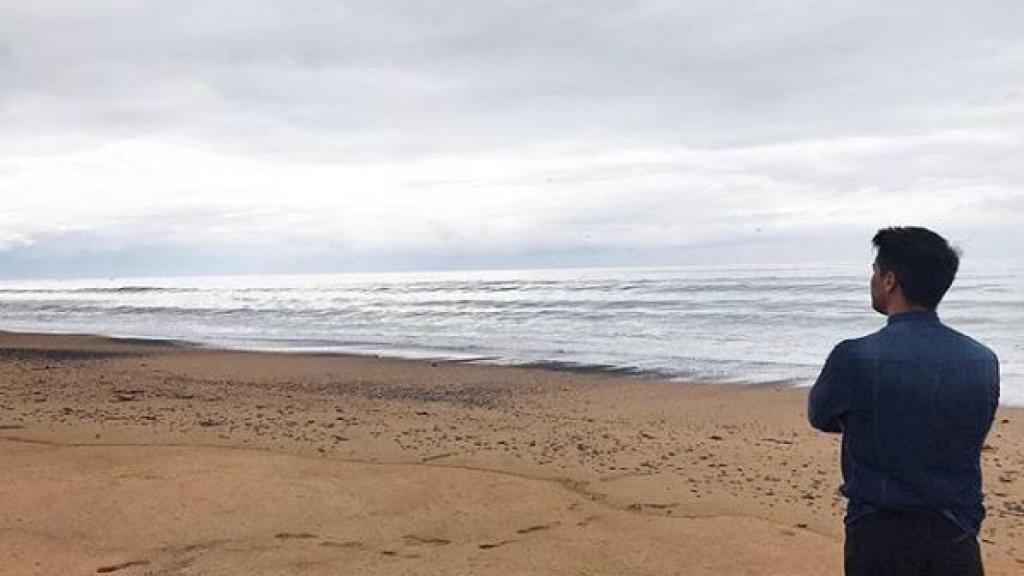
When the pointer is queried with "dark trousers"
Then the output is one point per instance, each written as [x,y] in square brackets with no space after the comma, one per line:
[910,543]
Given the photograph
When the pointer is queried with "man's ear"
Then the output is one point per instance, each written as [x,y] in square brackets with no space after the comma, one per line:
[889,282]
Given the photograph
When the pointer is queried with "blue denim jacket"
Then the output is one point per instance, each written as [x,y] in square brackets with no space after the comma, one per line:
[914,402]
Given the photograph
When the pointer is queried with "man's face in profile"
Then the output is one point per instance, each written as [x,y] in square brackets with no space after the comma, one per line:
[878,291]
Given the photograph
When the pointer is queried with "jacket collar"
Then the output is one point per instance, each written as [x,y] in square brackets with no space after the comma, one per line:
[918,316]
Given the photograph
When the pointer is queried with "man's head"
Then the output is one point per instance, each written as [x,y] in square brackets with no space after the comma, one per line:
[914,268]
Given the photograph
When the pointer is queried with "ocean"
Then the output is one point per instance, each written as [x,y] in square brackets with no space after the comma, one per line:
[736,324]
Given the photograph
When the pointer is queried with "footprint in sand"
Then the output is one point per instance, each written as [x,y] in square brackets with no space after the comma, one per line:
[537,528]
[121,566]
[295,536]
[396,554]
[413,540]
[353,544]
[496,544]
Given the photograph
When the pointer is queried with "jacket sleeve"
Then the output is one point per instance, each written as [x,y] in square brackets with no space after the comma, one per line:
[994,386]
[828,400]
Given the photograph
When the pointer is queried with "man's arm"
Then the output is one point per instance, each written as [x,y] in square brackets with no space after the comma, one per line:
[827,401]
[994,386]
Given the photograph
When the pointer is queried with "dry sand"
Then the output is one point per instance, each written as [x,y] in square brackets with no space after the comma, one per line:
[133,458]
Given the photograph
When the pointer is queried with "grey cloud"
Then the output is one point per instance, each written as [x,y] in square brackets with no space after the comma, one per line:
[638,130]
[359,78]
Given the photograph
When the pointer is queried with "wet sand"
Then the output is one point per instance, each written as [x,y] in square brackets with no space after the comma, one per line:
[133,458]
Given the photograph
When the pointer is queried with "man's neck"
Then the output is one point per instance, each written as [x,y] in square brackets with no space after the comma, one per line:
[904,308]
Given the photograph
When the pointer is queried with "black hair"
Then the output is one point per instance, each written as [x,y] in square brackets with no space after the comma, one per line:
[922,261]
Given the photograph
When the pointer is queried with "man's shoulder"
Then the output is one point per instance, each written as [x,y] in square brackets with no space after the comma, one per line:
[863,346]
[883,343]
[970,345]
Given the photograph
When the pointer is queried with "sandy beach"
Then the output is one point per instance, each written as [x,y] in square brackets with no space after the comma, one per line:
[132,457]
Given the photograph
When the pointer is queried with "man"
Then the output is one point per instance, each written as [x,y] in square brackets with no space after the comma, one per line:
[914,402]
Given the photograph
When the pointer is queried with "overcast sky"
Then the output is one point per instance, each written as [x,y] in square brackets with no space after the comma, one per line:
[251,136]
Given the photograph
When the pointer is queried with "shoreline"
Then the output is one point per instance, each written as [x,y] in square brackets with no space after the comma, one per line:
[489,361]
[606,464]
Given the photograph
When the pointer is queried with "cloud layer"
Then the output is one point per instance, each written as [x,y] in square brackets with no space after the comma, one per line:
[419,132]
